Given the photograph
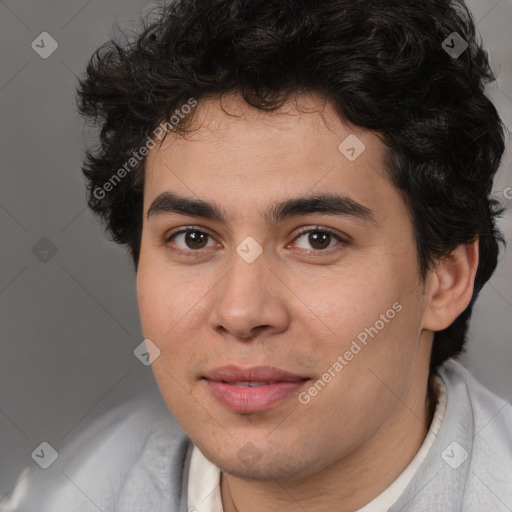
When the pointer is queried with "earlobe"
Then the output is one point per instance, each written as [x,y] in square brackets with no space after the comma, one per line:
[450,286]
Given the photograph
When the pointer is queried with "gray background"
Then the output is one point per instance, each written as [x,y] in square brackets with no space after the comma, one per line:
[69,325]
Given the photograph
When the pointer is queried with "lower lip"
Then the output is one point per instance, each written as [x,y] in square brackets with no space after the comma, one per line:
[252,399]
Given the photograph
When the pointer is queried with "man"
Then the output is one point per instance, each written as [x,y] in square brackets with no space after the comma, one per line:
[304,190]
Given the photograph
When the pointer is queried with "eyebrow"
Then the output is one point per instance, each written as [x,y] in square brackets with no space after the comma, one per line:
[327,204]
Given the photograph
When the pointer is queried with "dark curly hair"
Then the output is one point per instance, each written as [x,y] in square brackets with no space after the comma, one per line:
[380,62]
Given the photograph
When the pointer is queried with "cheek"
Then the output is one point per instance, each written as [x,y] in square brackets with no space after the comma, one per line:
[167,300]
[348,305]
[149,301]
[171,317]
[373,336]
[164,318]
[360,378]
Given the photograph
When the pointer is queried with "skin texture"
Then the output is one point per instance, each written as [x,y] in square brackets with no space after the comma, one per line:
[296,307]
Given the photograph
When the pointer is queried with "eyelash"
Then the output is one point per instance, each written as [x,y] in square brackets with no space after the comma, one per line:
[200,252]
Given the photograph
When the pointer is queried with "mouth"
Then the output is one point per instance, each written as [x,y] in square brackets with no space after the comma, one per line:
[254,389]
[250,384]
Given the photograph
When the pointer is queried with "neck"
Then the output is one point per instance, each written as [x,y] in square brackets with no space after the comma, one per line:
[364,473]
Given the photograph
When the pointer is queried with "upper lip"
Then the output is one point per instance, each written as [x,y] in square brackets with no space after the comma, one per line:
[233,373]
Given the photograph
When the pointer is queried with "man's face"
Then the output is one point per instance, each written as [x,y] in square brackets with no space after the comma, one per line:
[303,304]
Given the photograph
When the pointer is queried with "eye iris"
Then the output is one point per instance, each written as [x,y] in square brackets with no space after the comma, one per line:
[195,239]
[319,237]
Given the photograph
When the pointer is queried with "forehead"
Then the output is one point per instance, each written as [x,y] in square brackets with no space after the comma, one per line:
[240,156]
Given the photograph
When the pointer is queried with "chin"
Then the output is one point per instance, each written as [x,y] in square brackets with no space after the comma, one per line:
[268,464]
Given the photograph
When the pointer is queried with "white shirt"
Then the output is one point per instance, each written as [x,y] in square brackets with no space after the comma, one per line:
[204,477]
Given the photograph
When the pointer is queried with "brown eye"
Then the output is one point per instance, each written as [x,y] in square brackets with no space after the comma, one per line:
[195,239]
[190,239]
[318,240]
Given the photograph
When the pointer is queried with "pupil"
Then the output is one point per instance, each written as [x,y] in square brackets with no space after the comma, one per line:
[195,240]
[319,238]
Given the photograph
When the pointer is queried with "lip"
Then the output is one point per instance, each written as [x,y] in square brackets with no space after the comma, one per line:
[280,384]
[232,373]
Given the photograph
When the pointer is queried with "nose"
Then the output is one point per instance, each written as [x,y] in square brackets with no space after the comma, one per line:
[249,301]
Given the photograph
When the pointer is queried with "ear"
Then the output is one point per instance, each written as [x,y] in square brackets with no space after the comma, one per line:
[450,287]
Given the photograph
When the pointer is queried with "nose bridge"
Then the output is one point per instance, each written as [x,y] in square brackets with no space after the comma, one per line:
[246,297]
[245,282]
